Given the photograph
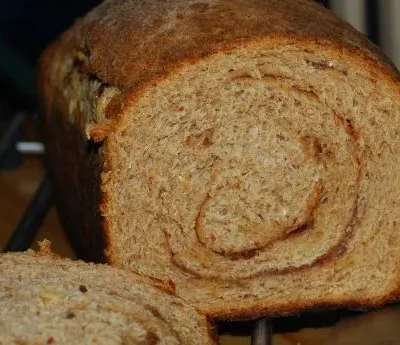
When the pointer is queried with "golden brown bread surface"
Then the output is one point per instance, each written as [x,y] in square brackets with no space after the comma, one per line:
[240,151]
[129,43]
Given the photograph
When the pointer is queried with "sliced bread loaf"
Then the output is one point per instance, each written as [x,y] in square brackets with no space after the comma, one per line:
[246,150]
[46,300]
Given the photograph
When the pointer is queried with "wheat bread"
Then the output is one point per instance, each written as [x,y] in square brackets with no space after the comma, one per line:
[246,152]
[48,300]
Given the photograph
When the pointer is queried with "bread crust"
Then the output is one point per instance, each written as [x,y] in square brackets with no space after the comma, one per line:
[131,42]
[176,34]
[69,169]
[298,308]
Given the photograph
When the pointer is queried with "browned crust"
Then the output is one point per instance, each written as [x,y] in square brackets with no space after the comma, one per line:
[213,331]
[112,35]
[129,43]
[109,37]
[289,309]
[75,173]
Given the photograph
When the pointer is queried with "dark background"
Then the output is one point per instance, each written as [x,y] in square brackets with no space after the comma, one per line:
[26,28]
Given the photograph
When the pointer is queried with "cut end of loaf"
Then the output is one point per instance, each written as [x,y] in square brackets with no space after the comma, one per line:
[261,178]
[44,300]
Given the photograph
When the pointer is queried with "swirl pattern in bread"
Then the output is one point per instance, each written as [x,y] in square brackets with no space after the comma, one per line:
[247,151]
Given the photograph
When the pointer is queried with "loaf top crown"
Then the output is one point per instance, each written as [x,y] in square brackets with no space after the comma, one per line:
[128,43]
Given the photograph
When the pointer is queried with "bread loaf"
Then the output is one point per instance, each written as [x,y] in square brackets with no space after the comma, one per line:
[245,151]
[47,300]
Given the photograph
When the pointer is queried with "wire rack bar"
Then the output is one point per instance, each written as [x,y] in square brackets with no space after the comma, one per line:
[28,227]
[8,138]
[262,332]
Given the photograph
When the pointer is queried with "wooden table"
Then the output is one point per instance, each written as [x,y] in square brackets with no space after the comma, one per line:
[18,186]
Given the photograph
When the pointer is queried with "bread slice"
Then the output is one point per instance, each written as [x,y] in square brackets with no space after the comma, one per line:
[47,300]
[245,150]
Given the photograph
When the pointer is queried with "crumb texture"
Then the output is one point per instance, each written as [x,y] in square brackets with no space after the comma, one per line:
[248,151]
[256,176]
[44,300]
